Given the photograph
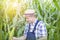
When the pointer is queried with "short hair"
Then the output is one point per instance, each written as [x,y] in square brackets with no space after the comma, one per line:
[30,11]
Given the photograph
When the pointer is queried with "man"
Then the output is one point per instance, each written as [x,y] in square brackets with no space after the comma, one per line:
[40,31]
[35,29]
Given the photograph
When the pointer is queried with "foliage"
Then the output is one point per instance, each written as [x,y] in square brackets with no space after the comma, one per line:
[12,21]
[49,10]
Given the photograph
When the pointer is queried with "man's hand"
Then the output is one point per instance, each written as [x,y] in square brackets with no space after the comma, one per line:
[19,38]
[22,38]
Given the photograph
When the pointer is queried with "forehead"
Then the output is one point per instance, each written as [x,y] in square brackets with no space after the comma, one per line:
[28,15]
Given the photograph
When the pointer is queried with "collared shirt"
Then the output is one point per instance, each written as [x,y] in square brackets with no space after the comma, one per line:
[40,29]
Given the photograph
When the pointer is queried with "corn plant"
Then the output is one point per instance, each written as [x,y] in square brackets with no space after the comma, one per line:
[11,18]
[12,21]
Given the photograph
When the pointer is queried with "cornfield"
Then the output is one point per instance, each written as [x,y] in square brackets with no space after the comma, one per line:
[12,21]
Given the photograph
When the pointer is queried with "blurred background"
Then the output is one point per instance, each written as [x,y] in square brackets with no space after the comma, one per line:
[12,21]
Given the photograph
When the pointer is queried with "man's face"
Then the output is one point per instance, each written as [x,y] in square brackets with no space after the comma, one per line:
[29,18]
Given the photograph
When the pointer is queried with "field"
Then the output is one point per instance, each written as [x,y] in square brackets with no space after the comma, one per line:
[12,20]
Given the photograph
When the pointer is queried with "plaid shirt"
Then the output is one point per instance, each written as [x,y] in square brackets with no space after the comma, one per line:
[40,29]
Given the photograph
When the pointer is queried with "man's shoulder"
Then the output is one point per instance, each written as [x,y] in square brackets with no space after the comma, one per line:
[40,22]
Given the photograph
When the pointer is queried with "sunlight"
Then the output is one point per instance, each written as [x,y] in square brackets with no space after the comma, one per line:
[15,4]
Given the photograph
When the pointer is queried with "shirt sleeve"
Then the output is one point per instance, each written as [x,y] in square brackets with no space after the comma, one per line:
[42,29]
[26,30]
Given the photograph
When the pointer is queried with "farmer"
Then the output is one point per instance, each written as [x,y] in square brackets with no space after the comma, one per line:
[34,29]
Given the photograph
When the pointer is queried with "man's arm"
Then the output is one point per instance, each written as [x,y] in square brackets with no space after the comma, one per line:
[26,30]
[24,35]
[42,33]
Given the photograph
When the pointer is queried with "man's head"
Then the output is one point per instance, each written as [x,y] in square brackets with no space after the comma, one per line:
[30,15]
